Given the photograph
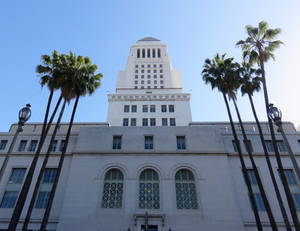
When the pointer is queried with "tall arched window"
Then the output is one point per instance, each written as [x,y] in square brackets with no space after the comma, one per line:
[113,189]
[149,190]
[186,196]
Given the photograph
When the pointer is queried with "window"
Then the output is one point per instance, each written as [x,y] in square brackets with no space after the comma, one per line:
[160,71]
[133,122]
[155,87]
[149,71]
[45,188]
[148,65]
[62,145]
[158,54]
[294,187]
[133,108]
[148,142]
[142,76]
[142,71]
[113,189]
[143,53]
[186,197]
[161,81]
[257,196]
[22,145]
[152,122]
[136,71]
[171,108]
[136,77]
[180,142]
[145,122]
[135,87]
[142,82]
[125,122]
[235,148]
[126,108]
[250,145]
[163,108]
[32,146]
[143,66]
[154,65]
[136,66]
[280,144]
[53,146]
[13,187]
[160,65]
[138,53]
[117,142]
[161,76]
[164,122]
[145,108]
[149,76]
[148,53]
[155,81]
[152,108]
[148,87]
[172,122]
[154,76]
[3,144]
[154,71]
[136,82]
[153,52]
[149,82]
[149,190]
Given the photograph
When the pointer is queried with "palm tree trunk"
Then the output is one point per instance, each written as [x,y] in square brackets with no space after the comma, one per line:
[277,155]
[61,161]
[25,188]
[279,198]
[244,169]
[42,170]
[260,185]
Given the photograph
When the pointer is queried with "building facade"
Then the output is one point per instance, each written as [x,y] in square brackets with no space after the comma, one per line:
[149,165]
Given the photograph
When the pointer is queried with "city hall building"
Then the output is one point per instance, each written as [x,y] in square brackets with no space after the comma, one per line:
[148,165]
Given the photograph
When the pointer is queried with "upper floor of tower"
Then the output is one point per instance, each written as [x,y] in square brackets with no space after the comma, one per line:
[149,67]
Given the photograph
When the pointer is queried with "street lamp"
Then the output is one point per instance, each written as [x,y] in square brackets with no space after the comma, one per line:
[276,115]
[24,115]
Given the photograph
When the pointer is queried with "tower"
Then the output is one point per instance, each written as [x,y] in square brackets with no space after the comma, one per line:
[149,91]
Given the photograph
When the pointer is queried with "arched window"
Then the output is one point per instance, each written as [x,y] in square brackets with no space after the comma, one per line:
[148,53]
[149,190]
[153,53]
[186,196]
[158,53]
[113,189]
[143,52]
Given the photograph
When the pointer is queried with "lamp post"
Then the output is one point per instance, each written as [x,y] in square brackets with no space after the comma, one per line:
[24,115]
[276,115]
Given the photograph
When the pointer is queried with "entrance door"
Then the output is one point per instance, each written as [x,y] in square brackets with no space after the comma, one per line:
[150,228]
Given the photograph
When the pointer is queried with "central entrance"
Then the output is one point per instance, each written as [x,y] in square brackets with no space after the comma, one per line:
[150,228]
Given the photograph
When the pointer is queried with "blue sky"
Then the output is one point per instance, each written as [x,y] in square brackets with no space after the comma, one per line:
[104,30]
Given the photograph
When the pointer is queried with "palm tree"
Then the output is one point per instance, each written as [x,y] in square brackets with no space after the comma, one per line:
[50,76]
[214,72]
[258,48]
[250,82]
[80,79]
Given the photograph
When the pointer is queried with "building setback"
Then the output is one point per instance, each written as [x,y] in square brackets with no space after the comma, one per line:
[149,164]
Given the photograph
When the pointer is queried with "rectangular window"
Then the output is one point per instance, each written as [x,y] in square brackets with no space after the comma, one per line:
[152,108]
[22,145]
[62,145]
[294,187]
[53,146]
[45,188]
[133,122]
[145,108]
[145,122]
[148,142]
[172,122]
[117,142]
[164,122]
[32,145]
[160,71]
[180,142]
[163,108]
[13,187]
[250,145]
[133,108]
[126,108]
[152,122]
[234,146]
[280,144]
[171,108]
[257,196]
[3,144]
[125,122]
